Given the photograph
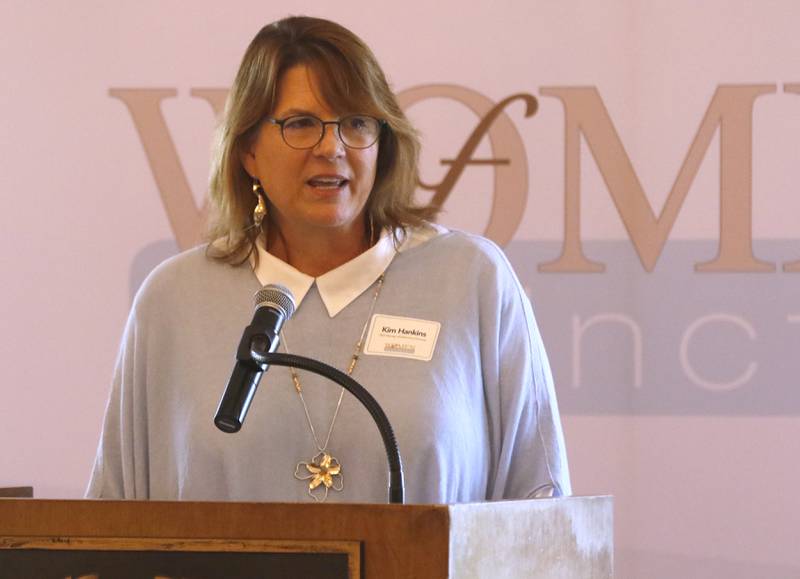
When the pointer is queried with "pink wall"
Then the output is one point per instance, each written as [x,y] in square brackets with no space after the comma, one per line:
[694,433]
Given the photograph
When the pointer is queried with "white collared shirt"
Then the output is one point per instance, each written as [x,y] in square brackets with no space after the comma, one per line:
[340,286]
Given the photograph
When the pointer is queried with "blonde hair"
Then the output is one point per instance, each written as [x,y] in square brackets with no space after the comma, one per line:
[350,80]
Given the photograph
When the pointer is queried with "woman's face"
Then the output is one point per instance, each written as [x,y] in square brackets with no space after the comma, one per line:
[323,187]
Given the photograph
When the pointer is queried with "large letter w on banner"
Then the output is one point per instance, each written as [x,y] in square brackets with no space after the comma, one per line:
[188,221]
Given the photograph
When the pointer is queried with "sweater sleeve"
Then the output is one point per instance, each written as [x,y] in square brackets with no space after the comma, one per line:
[120,469]
[528,451]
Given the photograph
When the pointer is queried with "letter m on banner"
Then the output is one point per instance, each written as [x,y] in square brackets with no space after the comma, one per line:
[731,109]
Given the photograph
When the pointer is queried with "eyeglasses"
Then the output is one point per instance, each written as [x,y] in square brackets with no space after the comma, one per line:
[307,131]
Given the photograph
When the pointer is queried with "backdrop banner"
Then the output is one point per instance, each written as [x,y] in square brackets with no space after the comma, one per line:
[638,162]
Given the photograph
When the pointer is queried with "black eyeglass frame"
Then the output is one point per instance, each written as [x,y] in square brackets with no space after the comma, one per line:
[338,123]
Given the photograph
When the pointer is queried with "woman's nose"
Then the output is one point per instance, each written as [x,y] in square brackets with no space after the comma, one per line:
[331,146]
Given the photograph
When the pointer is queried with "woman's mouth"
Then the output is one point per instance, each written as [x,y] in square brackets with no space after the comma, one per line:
[327,181]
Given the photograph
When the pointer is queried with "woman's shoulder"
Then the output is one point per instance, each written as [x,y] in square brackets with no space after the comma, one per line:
[453,244]
[186,274]
[181,268]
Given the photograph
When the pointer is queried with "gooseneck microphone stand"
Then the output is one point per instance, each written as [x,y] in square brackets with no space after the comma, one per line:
[264,359]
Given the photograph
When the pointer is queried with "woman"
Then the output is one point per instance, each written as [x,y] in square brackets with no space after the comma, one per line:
[313,181]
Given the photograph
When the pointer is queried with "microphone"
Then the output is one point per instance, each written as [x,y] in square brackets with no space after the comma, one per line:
[274,305]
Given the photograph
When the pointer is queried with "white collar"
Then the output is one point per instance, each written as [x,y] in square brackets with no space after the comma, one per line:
[340,286]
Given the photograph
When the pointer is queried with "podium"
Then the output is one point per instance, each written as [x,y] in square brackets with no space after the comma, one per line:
[568,537]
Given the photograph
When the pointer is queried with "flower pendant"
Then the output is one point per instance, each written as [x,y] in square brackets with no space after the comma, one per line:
[323,473]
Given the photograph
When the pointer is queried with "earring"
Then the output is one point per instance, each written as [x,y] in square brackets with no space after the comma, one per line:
[260,210]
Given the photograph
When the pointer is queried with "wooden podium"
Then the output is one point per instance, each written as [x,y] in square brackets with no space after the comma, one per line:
[553,538]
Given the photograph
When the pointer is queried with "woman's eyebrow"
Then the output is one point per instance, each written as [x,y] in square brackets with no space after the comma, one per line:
[294,111]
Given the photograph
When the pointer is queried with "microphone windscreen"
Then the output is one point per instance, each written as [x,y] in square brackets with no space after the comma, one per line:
[276,296]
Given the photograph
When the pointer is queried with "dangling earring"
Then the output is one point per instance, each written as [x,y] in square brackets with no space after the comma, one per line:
[260,210]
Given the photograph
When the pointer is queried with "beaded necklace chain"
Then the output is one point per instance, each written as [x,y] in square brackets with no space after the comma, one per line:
[324,471]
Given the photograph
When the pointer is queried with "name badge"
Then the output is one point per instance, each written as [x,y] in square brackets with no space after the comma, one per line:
[402,337]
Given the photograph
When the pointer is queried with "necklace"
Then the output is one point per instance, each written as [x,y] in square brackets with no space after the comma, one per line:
[324,471]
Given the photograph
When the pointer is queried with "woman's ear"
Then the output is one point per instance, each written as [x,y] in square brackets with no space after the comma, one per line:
[248,161]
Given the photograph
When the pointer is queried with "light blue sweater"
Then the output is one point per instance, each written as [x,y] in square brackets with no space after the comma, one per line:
[477,422]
